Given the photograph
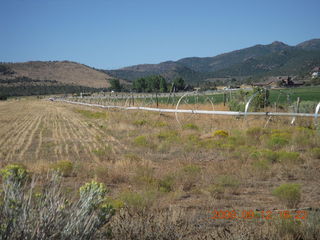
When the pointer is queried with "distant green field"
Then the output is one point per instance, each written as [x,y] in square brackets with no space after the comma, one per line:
[276,95]
[305,94]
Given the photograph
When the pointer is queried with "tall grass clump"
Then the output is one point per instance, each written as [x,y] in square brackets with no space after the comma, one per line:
[189,176]
[27,213]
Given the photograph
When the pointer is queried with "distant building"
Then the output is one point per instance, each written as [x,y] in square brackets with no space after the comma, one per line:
[279,81]
[315,74]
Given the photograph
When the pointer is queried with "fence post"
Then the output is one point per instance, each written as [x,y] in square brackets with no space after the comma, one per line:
[157,99]
[132,99]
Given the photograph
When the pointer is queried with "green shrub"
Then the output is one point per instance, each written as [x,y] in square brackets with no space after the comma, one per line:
[190,126]
[14,179]
[289,194]
[27,213]
[140,122]
[115,203]
[235,105]
[315,152]
[278,140]
[192,142]
[93,193]
[141,141]
[220,133]
[288,227]
[138,201]
[168,136]
[289,157]
[191,169]
[261,166]
[255,132]
[228,181]
[144,175]
[189,176]
[92,114]
[63,167]
[134,200]
[236,139]
[223,184]
[104,152]
[270,155]
[243,152]
[304,137]
[166,184]
[164,147]
[275,157]
[160,124]
[307,106]
[215,190]
[14,173]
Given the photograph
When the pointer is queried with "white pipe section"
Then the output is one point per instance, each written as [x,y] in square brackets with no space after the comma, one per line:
[228,113]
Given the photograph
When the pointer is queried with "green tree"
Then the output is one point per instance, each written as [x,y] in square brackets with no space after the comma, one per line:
[262,98]
[154,83]
[163,85]
[140,85]
[179,83]
[115,84]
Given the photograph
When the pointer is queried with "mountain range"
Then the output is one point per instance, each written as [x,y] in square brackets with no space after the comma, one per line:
[257,61]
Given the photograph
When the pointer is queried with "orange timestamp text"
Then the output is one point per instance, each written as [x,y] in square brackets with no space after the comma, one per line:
[251,214]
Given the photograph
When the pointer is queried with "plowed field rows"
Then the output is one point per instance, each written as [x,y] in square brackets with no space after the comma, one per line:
[41,130]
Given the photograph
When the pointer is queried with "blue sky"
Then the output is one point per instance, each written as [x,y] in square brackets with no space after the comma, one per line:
[111,34]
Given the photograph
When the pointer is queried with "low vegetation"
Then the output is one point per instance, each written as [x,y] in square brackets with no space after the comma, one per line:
[163,179]
[28,212]
[289,194]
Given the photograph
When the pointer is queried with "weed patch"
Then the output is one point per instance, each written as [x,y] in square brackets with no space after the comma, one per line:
[190,126]
[64,168]
[315,152]
[221,134]
[289,194]
[92,114]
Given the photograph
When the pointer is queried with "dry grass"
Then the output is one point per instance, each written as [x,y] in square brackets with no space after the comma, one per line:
[149,156]
[61,71]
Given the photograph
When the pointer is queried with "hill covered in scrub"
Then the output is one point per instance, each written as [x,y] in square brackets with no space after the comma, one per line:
[37,77]
[61,71]
[276,58]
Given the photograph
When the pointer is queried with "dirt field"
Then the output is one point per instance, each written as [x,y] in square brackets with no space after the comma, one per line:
[148,160]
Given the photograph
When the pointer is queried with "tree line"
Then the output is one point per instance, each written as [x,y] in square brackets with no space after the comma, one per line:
[24,86]
[156,83]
